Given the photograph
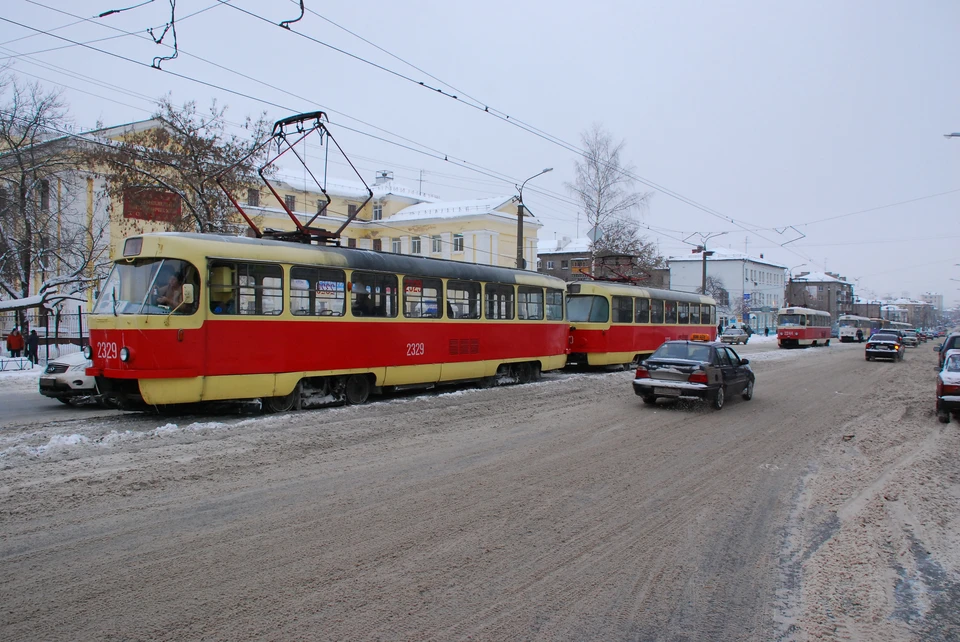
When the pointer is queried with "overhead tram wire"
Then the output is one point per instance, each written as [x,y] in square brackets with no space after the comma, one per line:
[436,154]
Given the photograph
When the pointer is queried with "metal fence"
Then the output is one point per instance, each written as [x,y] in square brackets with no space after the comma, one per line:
[60,332]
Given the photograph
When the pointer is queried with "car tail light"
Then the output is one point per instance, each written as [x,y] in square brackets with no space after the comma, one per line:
[870,346]
[642,373]
[949,389]
[698,377]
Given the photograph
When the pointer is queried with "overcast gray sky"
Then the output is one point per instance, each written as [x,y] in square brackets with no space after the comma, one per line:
[750,118]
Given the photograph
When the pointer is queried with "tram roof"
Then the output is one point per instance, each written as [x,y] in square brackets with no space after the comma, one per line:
[244,248]
[626,289]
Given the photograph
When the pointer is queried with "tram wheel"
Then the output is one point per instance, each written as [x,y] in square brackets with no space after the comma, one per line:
[282,404]
[535,371]
[718,398]
[523,372]
[357,389]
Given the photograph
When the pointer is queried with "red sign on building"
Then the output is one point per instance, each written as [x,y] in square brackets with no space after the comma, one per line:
[149,204]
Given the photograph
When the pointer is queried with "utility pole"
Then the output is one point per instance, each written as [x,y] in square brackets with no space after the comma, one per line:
[703,248]
[521,264]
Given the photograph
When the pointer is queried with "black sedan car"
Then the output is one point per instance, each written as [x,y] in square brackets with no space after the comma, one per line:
[709,371]
[884,345]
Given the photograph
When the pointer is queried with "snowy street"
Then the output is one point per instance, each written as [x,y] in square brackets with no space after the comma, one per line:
[825,508]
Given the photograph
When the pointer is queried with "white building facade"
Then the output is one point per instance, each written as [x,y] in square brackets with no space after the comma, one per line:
[754,286]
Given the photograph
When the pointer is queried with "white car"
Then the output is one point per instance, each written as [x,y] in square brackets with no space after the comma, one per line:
[734,335]
[65,380]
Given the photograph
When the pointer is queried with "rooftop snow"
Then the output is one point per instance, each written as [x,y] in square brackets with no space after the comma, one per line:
[455,209]
[819,277]
[725,254]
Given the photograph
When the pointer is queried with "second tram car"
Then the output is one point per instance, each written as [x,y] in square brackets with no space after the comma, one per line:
[187,318]
[803,327]
[617,323]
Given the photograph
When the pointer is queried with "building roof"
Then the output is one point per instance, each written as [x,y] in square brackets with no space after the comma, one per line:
[564,245]
[725,254]
[353,189]
[820,277]
[457,209]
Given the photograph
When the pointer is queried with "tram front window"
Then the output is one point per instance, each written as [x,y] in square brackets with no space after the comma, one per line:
[588,309]
[148,286]
[792,319]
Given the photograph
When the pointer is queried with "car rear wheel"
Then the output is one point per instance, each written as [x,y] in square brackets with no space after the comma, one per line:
[650,400]
[867,357]
[943,416]
[718,398]
[748,392]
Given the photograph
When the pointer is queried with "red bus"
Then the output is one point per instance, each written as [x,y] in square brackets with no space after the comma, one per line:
[803,327]
[617,323]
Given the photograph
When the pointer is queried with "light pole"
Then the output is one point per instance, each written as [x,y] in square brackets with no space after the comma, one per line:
[520,261]
[703,248]
[790,283]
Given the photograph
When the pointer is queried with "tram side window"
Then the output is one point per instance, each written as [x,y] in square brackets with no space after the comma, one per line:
[642,307]
[695,314]
[317,291]
[529,302]
[656,311]
[708,315]
[422,298]
[669,311]
[622,309]
[554,305]
[499,300]
[246,288]
[683,312]
[463,300]
[373,294]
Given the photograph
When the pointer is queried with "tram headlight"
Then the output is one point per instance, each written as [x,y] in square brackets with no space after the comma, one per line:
[125,354]
[87,352]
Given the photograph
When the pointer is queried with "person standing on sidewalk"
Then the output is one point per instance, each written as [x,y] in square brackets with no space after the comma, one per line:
[15,342]
[33,347]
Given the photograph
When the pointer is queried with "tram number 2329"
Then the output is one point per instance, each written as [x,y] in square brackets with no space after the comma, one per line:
[415,349]
[106,350]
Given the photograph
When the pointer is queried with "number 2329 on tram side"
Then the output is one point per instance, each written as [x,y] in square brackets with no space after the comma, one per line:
[803,327]
[617,323]
[300,325]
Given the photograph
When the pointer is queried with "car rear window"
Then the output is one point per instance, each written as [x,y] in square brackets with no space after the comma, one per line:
[884,337]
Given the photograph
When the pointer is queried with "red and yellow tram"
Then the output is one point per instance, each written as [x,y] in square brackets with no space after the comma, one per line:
[299,325]
[617,323]
[803,327]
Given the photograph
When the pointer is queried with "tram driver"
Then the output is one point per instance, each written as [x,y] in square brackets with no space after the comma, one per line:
[171,294]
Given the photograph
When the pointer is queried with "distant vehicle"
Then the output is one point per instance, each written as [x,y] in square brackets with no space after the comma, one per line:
[910,338]
[885,345]
[734,335]
[703,370]
[802,327]
[848,324]
[952,342]
[948,388]
[65,380]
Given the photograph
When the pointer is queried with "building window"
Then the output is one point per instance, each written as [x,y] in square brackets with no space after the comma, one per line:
[378,212]
[395,246]
[253,197]
[351,242]
[291,202]
[458,242]
[415,245]
[564,265]
[436,244]
[351,210]
[549,265]
[377,245]
[322,207]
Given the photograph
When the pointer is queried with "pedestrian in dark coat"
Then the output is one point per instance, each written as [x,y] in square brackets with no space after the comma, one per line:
[33,347]
[15,343]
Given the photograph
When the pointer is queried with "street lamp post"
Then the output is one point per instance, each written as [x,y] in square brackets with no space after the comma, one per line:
[790,282]
[520,261]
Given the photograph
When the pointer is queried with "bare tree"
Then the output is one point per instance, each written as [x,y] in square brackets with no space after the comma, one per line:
[716,290]
[604,187]
[621,237]
[45,257]
[181,156]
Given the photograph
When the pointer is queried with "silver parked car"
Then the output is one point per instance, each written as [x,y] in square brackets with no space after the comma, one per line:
[65,380]
[734,335]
